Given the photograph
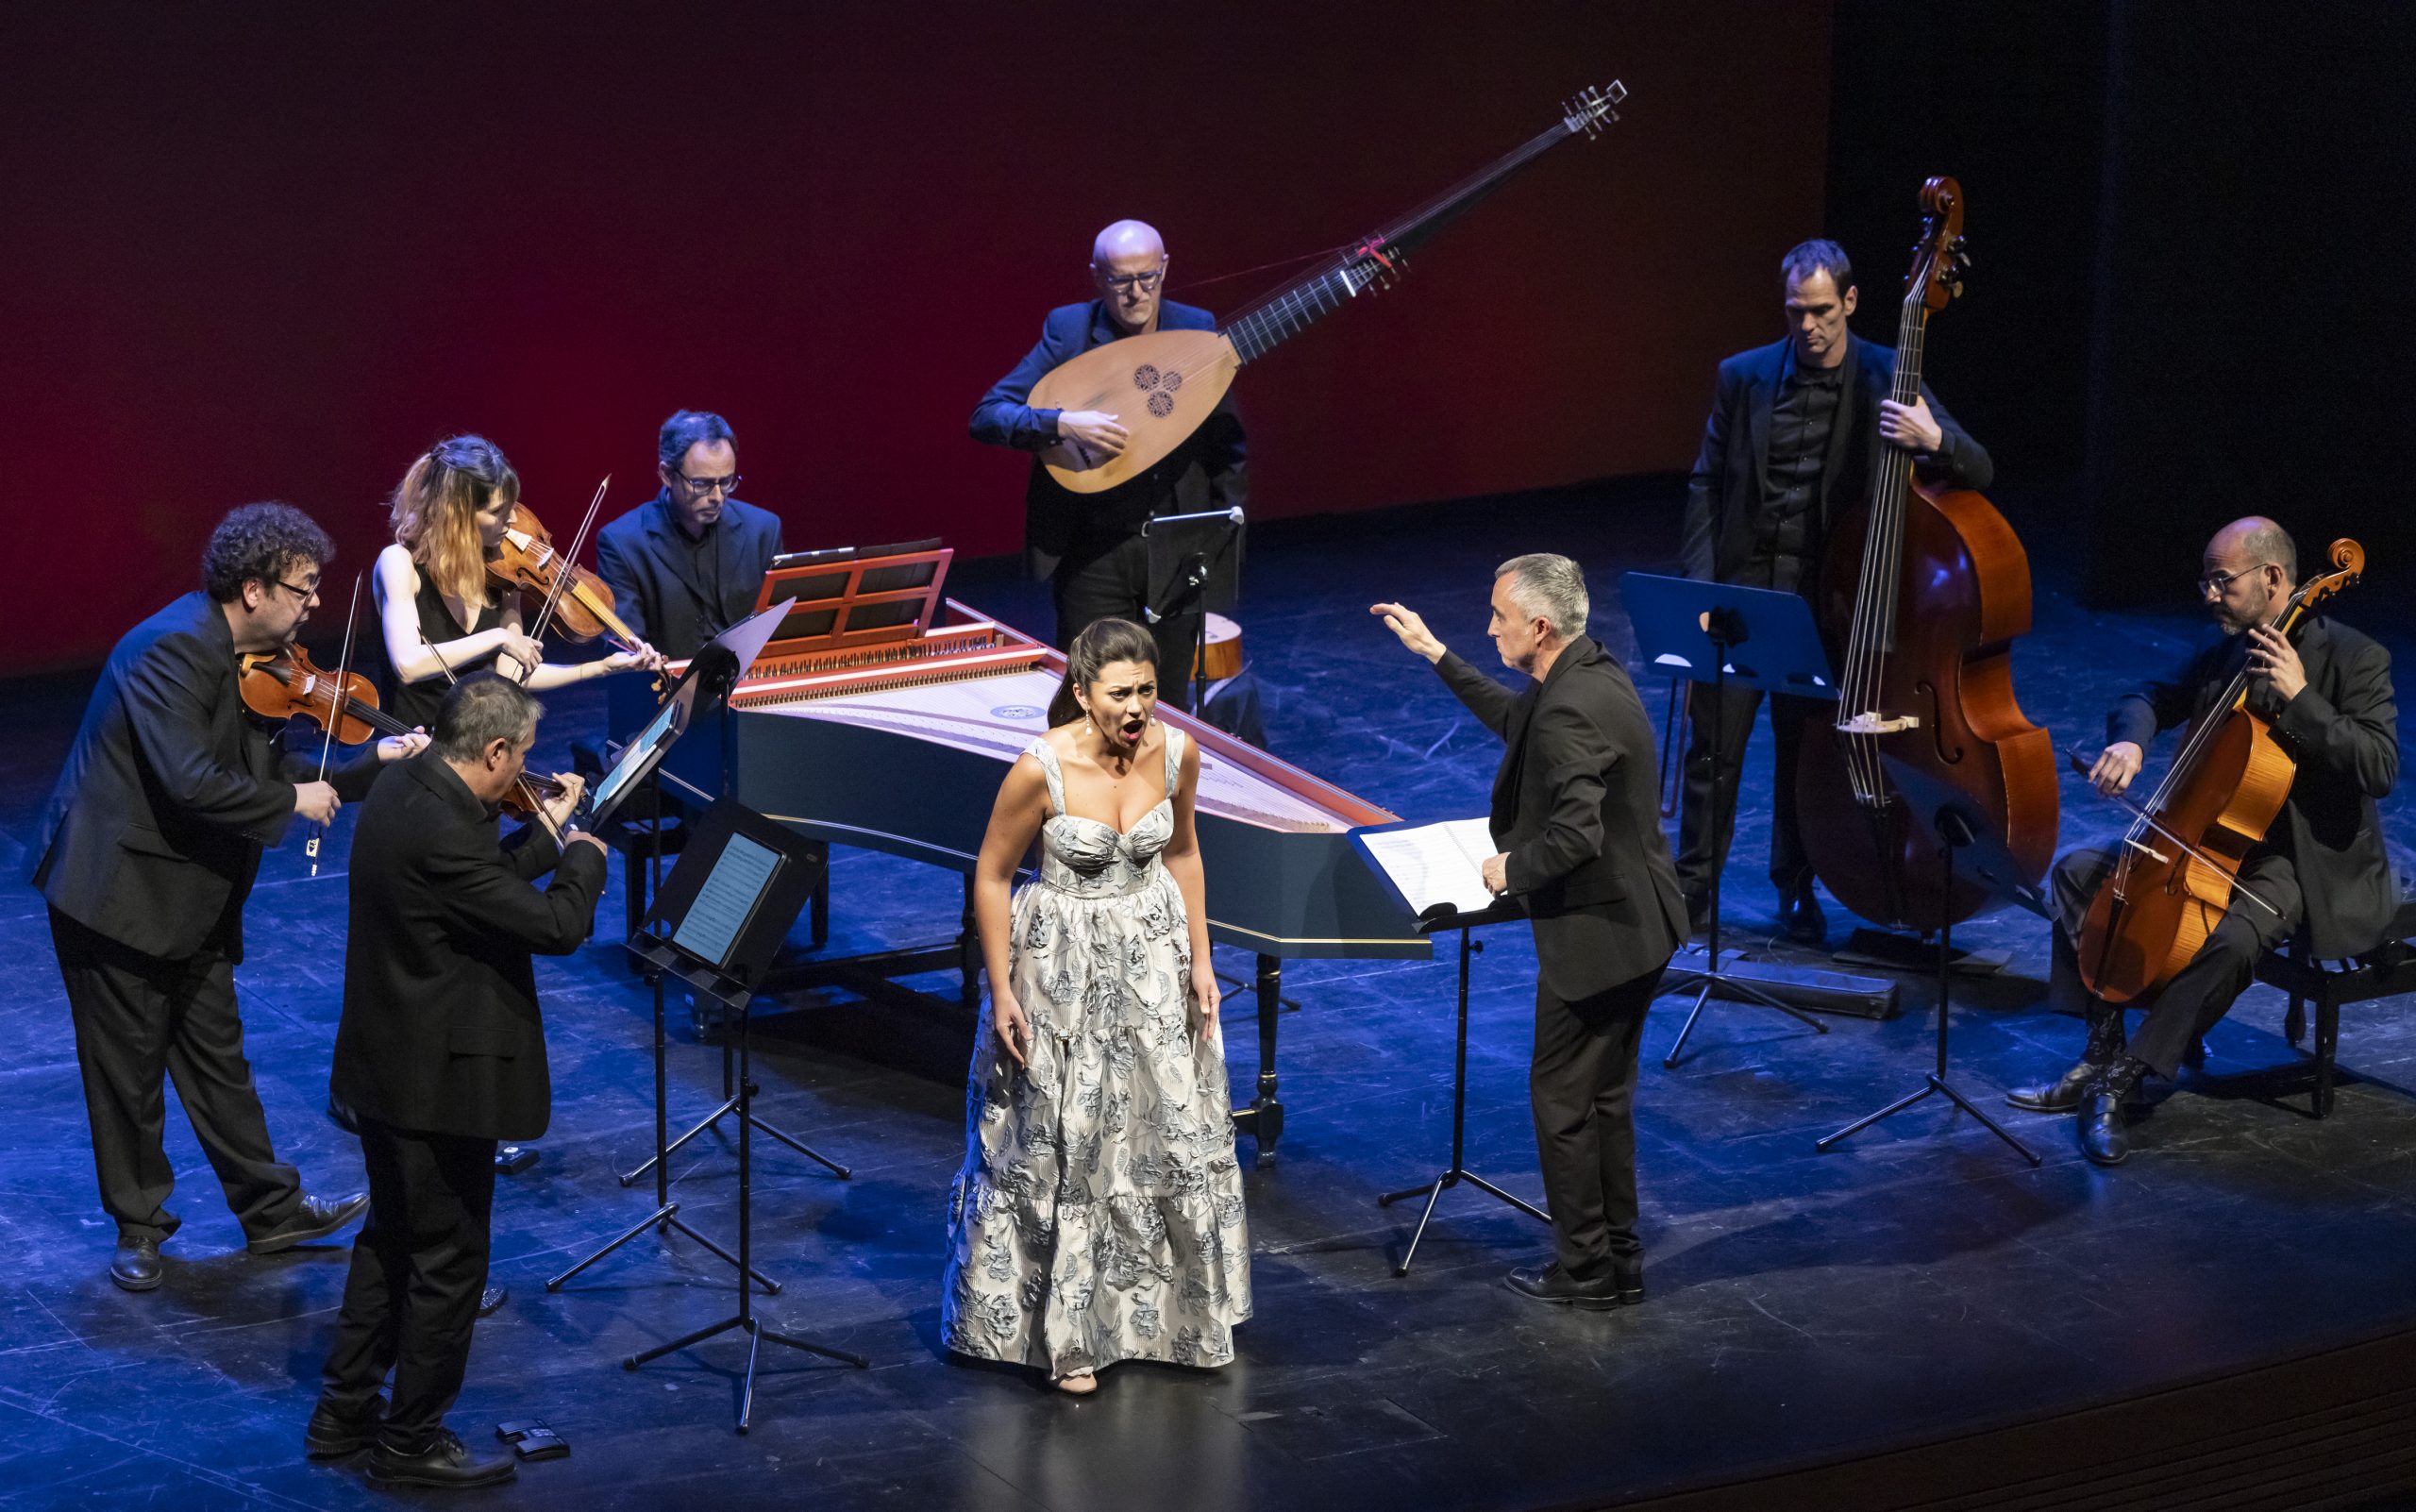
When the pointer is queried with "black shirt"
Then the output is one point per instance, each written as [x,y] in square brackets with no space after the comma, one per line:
[1802,418]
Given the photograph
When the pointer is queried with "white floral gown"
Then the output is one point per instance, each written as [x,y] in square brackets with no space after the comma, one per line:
[1098,1216]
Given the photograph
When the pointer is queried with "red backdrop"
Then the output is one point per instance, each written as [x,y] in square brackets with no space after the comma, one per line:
[274,250]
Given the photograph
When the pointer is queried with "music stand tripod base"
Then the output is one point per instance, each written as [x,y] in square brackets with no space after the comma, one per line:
[1958,827]
[1457,1172]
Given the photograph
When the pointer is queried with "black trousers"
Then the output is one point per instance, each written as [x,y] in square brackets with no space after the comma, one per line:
[141,1020]
[1582,1087]
[1110,580]
[1708,819]
[2200,993]
[418,1267]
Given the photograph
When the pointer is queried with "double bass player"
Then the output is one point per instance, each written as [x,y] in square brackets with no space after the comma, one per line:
[2322,867]
[1793,442]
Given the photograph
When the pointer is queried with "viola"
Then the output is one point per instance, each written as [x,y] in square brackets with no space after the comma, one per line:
[2178,866]
[583,603]
[1923,593]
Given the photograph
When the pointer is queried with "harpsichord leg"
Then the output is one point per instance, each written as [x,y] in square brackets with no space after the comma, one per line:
[1266,1114]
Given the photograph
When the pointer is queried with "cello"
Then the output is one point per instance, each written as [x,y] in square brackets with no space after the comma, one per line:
[1923,590]
[2178,865]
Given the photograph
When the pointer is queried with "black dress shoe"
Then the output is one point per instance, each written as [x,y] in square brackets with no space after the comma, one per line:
[1801,920]
[136,1265]
[1551,1283]
[2061,1094]
[317,1217]
[492,1298]
[2102,1128]
[446,1465]
[332,1435]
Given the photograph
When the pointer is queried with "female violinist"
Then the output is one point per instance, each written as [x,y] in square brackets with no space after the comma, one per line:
[2221,868]
[442,611]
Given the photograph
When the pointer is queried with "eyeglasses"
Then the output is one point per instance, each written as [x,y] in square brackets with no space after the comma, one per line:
[305,594]
[1146,282]
[706,485]
[2216,582]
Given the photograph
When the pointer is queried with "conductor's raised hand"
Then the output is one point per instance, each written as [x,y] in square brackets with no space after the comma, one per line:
[1095,431]
[1404,623]
[1013,1028]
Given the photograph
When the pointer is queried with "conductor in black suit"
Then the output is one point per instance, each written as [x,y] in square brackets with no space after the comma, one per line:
[441,1054]
[1576,812]
[686,564]
[147,852]
[1797,433]
[2322,867]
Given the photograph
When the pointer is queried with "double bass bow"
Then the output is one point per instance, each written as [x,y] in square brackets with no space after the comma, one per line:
[2177,870]
[1924,591]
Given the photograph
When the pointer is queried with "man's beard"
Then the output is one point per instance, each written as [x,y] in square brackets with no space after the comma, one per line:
[2240,627]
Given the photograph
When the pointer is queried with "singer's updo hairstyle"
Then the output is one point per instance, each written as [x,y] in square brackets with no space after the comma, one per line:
[1105,643]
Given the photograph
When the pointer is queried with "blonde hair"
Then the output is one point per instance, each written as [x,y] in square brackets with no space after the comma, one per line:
[435,510]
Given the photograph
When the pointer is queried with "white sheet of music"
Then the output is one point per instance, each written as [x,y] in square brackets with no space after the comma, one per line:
[1436,864]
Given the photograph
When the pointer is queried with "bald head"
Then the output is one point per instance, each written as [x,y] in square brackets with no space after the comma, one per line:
[1128,266]
[2248,572]
[2257,538]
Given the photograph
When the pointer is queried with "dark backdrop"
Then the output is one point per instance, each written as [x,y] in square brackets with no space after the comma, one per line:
[2191,222]
[274,250]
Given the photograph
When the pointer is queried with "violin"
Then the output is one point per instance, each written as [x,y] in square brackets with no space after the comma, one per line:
[583,603]
[287,684]
[2179,864]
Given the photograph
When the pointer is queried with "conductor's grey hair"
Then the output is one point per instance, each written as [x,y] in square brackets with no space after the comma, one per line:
[1549,587]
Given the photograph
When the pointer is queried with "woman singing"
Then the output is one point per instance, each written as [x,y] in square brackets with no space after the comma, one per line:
[442,615]
[1098,1216]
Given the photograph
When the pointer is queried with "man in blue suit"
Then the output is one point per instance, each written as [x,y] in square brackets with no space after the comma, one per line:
[1089,545]
[1798,431]
[686,564]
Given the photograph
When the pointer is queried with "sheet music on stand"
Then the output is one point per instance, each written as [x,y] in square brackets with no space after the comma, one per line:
[1437,869]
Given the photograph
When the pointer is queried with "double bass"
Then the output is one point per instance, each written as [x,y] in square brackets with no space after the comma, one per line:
[2178,866]
[1922,594]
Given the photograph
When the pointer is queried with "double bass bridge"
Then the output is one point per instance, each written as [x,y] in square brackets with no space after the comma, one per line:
[1869,722]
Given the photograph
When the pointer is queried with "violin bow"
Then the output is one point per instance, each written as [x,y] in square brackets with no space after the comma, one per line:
[565,564]
[338,701]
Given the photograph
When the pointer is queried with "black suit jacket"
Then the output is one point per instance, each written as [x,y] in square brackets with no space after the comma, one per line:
[154,831]
[1208,471]
[647,562]
[2342,731]
[441,1032]
[1724,494]
[1576,807]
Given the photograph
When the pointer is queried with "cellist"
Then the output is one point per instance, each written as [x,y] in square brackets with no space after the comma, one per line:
[2322,867]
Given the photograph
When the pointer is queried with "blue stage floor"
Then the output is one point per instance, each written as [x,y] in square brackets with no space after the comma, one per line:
[1916,1283]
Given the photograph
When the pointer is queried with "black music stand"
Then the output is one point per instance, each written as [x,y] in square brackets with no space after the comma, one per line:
[1960,825]
[706,687]
[1695,631]
[716,923]
[1194,569]
[1436,920]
